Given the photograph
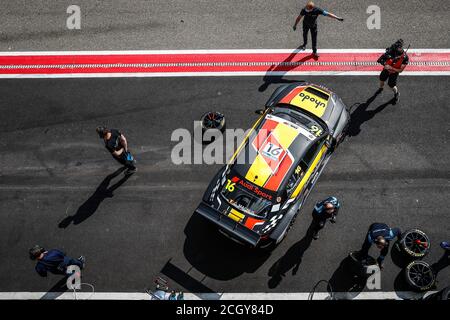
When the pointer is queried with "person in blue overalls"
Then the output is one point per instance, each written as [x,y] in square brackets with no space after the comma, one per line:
[323,211]
[53,261]
[379,234]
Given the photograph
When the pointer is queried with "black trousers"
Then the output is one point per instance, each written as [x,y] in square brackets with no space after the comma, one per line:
[122,159]
[313,29]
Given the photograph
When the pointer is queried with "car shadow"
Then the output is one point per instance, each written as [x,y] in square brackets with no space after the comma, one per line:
[91,205]
[360,114]
[291,259]
[217,256]
[276,72]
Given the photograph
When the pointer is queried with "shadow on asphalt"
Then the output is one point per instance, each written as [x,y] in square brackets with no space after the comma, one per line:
[269,79]
[58,289]
[91,205]
[345,279]
[291,259]
[360,115]
[217,256]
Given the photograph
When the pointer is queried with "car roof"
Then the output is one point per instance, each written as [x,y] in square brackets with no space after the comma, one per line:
[272,152]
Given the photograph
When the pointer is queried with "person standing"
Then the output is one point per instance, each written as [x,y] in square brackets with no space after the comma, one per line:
[117,145]
[394,61]
[323,211]
[53,261]
[310,13]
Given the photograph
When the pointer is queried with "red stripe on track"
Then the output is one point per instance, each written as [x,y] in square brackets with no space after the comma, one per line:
[213,62]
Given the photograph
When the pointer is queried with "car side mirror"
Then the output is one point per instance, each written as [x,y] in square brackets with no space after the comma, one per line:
[259,111]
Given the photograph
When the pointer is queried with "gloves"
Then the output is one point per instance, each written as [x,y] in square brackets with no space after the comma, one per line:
[294,28]
[341,19]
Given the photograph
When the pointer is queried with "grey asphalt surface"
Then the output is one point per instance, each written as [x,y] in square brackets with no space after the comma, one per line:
[56,180]
[54,183]
[215,24]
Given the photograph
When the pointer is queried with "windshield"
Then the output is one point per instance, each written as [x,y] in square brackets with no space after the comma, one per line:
[242,199]
[285,111]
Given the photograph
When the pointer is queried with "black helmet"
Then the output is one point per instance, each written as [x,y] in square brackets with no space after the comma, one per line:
[35,252]
[398,44]
[101,131]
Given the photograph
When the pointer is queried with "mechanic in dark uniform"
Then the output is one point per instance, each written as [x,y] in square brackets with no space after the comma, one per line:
[53,261]
[323,211]
[394,61]
[310,13]
[379,234]
[117,145]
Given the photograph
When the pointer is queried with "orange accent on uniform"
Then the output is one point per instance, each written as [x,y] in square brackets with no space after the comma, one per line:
[250,222]
[287,99]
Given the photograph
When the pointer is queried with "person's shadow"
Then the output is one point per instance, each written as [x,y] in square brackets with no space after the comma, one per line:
[91,205]
[360,114]
[276,72]
[442,263]
[291,259]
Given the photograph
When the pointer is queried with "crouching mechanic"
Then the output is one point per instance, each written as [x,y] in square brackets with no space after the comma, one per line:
[379,234]
[323,211]
[117,145]
[394,61]
[53,261]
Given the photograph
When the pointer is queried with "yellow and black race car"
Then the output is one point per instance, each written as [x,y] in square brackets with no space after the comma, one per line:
[256,197]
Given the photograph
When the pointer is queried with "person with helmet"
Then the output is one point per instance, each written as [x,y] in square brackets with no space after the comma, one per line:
[394,61]
[379,234]
[53,261]
[117,145]
[310,13]
[323,211]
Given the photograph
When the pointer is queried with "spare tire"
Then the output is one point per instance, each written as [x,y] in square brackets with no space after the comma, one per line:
[414,243]
[213,120]
[420,276]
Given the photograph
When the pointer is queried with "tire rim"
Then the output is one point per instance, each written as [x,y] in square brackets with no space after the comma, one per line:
[416,242]
[213,120]
[421,275]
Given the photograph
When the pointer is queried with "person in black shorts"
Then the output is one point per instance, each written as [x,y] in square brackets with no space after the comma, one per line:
[117,145]
[310,13]
[394,61]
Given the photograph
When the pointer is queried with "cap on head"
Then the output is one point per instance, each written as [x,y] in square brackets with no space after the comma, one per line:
[36,252]
[101,131]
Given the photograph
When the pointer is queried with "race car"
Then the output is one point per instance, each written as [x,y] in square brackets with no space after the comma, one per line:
[256,197]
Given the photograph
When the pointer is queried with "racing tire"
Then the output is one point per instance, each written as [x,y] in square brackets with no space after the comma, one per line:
[420,276]
[414,243]
[213,120]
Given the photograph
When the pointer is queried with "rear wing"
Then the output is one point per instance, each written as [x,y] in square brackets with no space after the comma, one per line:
[228,225]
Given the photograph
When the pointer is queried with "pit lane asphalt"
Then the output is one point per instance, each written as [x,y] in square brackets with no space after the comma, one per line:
[54,174]
[215,24]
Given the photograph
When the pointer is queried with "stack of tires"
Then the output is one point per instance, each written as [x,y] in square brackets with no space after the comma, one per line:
[415,245]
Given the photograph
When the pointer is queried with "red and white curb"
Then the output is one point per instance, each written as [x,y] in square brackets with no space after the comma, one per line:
[177,63]
[376,295]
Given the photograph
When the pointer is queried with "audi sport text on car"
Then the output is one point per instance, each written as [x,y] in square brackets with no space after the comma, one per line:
[255,198]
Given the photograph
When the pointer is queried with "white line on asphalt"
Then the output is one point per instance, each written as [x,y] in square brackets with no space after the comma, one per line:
[213,74]
[212,51]
[378,295]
